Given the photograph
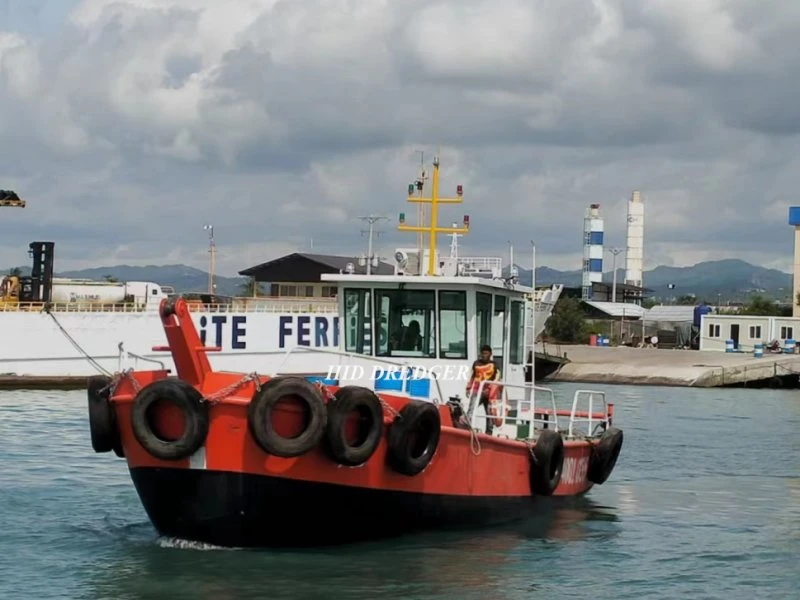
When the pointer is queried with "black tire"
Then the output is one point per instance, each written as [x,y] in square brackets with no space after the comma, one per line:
[348,399]
[102,420]
[195,414]
[414,437]
[259,416]
[604,456]
[547,462]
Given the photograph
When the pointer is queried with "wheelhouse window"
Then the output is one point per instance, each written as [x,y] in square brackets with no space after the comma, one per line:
[406,323]
[483,308]
[357,318]
[499,328]
[516,335]
[452,324]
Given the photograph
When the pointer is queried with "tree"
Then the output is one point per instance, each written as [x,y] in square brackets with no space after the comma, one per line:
[760,306]
[248,286]
[568,321]
[110,278]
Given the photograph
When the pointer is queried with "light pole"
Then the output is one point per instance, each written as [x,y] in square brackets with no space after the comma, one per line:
[614,252]
[211,257]
[371,219]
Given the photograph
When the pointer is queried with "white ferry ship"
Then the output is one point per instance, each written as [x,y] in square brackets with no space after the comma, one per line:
[90,327]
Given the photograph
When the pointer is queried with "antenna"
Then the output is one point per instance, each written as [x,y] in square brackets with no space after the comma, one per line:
[433,228]
[420,185]
[371,258]
[454,241]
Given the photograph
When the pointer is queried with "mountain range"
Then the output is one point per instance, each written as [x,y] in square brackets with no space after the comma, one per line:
[732,279]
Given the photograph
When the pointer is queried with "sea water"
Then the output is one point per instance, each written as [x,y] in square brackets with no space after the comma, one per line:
[704,503]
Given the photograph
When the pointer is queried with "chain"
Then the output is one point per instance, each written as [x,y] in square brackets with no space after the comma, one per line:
[117,378]
[214,398]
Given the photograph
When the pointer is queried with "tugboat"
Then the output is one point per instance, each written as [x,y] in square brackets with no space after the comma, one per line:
[381,443]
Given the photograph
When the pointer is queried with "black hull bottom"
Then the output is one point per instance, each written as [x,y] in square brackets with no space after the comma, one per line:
[242,510]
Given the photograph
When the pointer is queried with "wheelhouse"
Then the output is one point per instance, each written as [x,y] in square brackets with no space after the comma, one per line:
[422,318]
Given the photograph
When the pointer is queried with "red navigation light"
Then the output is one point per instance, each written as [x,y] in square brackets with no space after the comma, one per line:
[466,221]
[410,189]
[402,217]
[460,190]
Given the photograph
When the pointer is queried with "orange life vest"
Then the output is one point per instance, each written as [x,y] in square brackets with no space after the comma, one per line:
[487,372]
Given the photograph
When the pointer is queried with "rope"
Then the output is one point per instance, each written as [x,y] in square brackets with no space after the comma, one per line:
[102,370]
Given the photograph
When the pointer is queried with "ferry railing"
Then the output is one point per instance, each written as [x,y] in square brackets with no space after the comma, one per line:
[268,306]
[522,416]
[357,357]
[589,416]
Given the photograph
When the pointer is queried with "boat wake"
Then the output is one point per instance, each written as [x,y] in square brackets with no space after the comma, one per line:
[182,544]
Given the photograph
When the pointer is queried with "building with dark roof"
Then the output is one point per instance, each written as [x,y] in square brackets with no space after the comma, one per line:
[299,274]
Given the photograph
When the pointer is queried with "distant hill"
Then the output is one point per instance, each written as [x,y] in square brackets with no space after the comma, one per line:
[181,277]
[732,278]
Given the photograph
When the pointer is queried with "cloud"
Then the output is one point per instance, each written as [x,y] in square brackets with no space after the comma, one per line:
[128,124]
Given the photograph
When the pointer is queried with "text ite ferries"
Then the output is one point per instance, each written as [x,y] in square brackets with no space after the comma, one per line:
[248,459]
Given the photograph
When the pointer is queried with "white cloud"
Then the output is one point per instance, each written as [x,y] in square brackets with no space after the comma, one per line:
[137,121]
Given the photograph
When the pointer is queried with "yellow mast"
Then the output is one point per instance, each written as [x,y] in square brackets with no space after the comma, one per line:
[433,229]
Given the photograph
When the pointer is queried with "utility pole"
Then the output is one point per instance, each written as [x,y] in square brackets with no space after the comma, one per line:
[433,228]
[371,219]
[212,250]
[614,252]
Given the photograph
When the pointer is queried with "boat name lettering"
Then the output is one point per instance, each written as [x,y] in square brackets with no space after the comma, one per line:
[305,329]
[574,471]
[237,330]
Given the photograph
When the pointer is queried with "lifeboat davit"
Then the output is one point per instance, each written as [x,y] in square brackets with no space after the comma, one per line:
[245,460]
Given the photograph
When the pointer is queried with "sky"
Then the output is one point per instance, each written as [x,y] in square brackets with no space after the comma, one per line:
[127,125]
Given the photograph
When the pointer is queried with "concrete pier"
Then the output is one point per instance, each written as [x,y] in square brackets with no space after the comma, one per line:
[686,368]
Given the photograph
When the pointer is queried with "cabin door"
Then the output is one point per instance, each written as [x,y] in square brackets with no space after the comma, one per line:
[735,335]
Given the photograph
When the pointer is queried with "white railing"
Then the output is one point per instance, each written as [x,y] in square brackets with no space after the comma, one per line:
[528,409]
[124,359]
[474,265]
[530,401]
[590,418]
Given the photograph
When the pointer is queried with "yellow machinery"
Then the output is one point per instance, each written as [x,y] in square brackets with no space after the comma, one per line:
[9,288]
[10,198]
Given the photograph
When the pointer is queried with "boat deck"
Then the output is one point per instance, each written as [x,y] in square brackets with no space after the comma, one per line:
[687,368]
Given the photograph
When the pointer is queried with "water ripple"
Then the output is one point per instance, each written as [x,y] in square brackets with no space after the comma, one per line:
[704,503]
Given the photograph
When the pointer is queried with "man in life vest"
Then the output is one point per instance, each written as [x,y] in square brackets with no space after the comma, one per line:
[484,369]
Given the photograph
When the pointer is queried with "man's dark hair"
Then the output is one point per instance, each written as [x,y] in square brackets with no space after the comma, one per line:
[486,348]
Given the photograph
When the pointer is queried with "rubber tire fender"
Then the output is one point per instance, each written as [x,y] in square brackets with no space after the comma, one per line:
[348,399]
[547,462]
[417,420]
[195,414]
[103,427]
[604,456]
[259,416]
